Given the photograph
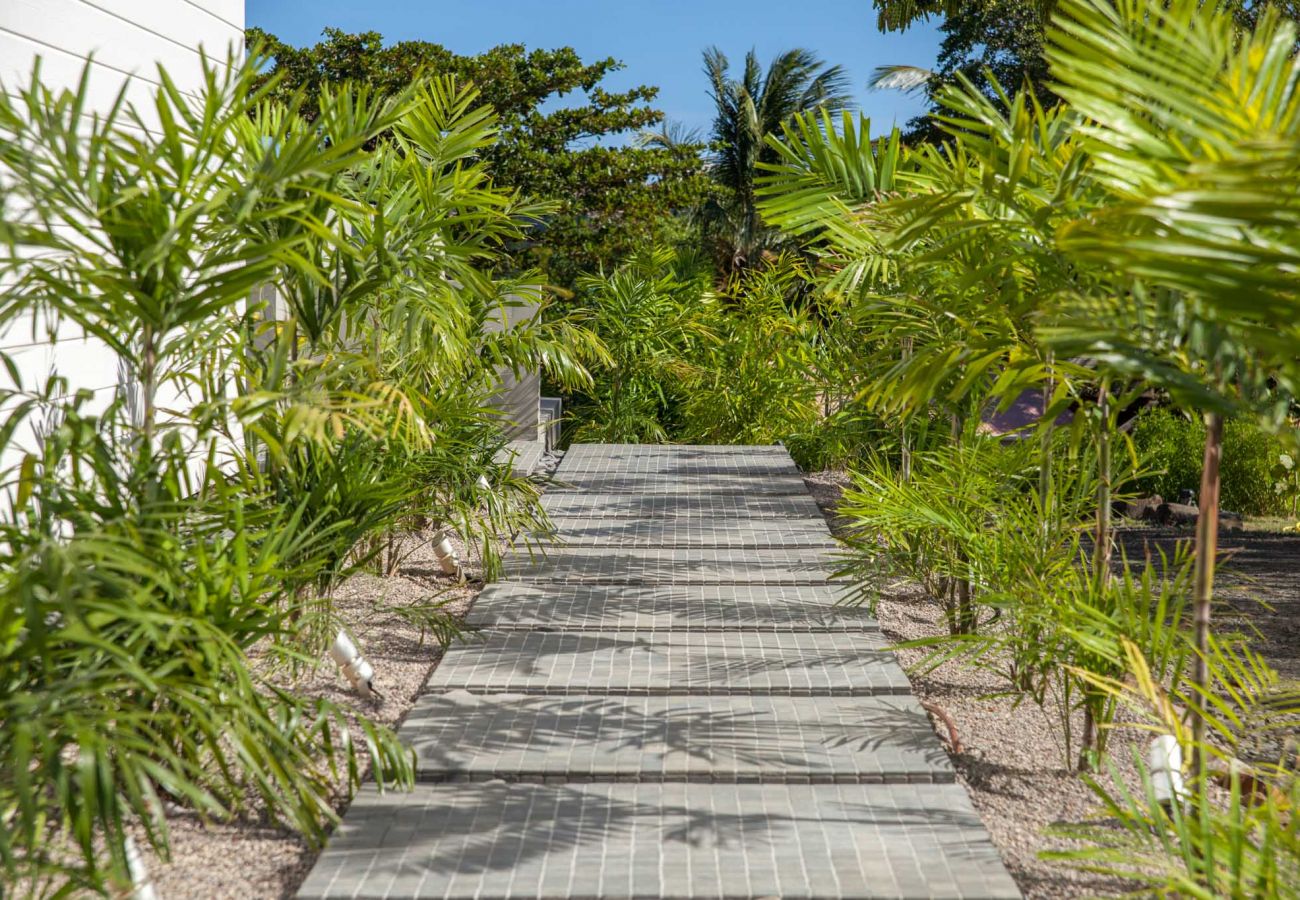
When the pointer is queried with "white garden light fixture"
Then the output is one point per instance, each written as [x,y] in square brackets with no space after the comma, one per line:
[141,885]
[353,665]
[446,553]
[1165,760]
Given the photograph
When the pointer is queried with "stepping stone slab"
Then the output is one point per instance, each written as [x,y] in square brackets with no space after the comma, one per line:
[578,565]
[471,737]
[693,607]
[667,469]
[522,456]
[693,451]
[666,662]
[615,483]
[572,504]
[678,465]
[498,840]
[694,532]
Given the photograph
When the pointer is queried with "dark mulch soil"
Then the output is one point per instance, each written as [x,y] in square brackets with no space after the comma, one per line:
[1258,584]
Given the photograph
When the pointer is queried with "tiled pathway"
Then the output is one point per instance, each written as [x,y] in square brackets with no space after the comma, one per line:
[669,705]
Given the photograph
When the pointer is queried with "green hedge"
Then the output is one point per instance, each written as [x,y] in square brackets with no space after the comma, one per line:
[1170,445]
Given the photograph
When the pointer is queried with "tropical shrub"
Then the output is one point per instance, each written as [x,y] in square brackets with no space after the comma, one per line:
[848,436]
[1238,839]
[168,555]
[1012,571]
[745,364]
[755,383]
[1244,845]
[1170,446]
[130,620]
[1147,228]
[1250,455]
[650,316]
[933,526]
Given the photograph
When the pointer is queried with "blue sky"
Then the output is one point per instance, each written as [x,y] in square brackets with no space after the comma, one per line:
[659,40]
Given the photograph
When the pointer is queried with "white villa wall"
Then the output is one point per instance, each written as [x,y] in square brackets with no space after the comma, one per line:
[125,41]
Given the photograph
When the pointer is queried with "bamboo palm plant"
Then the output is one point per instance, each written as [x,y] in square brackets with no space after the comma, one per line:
[138,580]
[651,314]
[168,549]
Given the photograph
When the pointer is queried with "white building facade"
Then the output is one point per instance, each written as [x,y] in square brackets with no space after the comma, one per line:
[124,42]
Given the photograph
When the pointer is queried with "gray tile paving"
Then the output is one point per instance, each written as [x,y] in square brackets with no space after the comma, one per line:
[662,662]
[717,483]
[683,532]
[676,840]
[464,736]
[522,456]
[679,607]
[686,463]
[613,565]
[670,706]
[572,504]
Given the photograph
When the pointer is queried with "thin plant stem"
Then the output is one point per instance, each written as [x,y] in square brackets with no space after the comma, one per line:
[148,385]
[1101,563]
[1102,548]
[905,463]
[1045,449]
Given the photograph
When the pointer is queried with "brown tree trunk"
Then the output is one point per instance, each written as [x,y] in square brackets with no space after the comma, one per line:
[1102,549]
[905,464]
[966,621]
[1045,446]
[1207,547]
[1089,736]
[1101,558]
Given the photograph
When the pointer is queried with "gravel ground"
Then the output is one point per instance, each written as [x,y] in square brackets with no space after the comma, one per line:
[254,859]
[1013,763]
[1258,582]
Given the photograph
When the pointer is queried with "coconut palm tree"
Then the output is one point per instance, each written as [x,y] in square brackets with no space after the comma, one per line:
[897,15]
[750,108]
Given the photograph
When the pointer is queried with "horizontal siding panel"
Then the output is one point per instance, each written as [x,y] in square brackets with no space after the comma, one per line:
[231,11]
[84,362]
[74,30]
[138,93]
[30,328]
[126,38]
[186,24]
[25,439]
[60,70]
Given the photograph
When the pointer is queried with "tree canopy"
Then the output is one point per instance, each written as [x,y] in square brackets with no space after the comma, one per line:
[1005,38]
[611,195]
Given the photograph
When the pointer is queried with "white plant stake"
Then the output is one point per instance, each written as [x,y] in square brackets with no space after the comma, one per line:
[353,665]
[484,483]
[446,553]
[1165,760]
